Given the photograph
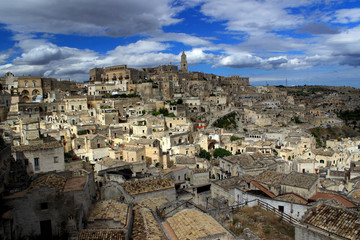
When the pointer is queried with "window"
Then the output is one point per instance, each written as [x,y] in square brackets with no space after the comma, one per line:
[26,84]
[56,159]
[36,164]
[98,145]
[72,107]
[34,84]
[281,208]
[43,205]
[79,107]
[322,161]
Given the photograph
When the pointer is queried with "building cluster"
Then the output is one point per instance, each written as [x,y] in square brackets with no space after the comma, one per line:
[166,153]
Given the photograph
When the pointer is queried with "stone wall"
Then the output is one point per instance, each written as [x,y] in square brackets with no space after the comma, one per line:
[309,233]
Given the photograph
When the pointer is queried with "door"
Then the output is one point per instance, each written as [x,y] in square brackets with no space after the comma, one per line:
[45,229]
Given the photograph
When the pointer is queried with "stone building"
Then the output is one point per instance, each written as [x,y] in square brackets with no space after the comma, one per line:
[328,222]
[41,157]
[133,154]
[184,65]
[29,88]
[133,192]
[303,184]
[45,207]
[191,222]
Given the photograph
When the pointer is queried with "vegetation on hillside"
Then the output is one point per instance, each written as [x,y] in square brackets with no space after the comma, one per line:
[265,224]
[349,115]
[228,121]
[121,96]
[162,111]
[234,138]
[323,134]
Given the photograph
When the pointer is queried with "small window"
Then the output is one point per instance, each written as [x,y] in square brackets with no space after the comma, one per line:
[44,205]
[56,159]
[36,164]
[281,208]
[79,107]
[98,145]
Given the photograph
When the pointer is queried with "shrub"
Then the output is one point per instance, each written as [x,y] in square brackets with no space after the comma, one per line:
[221,152]
[204,154]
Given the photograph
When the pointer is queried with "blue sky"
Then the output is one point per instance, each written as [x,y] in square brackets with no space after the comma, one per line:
[304,41]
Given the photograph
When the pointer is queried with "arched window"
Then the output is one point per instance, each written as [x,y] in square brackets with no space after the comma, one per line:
[322,161]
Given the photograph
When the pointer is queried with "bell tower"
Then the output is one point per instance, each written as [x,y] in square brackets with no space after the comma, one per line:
[184,65]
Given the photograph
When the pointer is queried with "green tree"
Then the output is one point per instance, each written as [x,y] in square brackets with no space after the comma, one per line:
[221,152]
[179,101]
[234,138]
[204,154]
[164,111]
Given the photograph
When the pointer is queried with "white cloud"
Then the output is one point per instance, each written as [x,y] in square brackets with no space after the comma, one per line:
[346,16]
[88,17]
[254,16]
[198,55]
[247,60]
[183,38]
[45,58]
[4,57]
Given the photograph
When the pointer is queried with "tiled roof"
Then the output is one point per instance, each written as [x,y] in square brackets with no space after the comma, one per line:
[301,180]
[36,147]
[264,190]
[200,170]
[109,210]
[172,169]
[148,185]
[327,152]
[244,160]
[57,182]
[153,203]
[90,234]
[355,194]
[74,184]
[231,182]
[335,220]
[185,160]
[291,197]
[50,180]
[145,226]
[192,224]
[328,196]
[270,178]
